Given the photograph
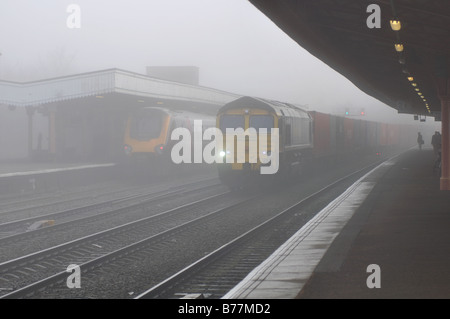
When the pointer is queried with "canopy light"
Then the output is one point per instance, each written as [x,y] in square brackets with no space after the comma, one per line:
[395,25]
[410,78]
[417,89]
[398,47]
[414,84]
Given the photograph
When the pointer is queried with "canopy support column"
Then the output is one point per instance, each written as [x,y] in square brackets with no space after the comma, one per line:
[444,95]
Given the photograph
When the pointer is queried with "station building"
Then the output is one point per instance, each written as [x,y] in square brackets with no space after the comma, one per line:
[82,117]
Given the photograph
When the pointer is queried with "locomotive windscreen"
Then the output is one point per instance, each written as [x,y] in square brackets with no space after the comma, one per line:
[261,121]
[231,121]
[146,125]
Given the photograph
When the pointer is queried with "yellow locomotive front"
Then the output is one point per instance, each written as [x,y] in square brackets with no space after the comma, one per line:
[250,146]
[147,132]
[247,138]
[262,140]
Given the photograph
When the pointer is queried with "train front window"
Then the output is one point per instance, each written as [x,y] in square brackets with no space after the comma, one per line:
[145,127]
[261,121]
[231,121]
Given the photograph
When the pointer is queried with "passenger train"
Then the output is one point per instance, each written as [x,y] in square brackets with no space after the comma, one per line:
[296,136]
[148,130]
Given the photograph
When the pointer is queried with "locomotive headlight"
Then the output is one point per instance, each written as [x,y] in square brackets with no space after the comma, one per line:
[222,153]
[127,149]
[159,149]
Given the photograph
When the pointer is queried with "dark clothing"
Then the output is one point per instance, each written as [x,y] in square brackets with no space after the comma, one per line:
[420,140]
[436,142]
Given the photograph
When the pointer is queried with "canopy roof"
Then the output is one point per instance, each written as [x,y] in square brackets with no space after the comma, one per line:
[337,32]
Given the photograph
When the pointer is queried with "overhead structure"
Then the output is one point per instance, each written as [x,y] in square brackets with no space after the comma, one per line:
[81,116]
[396,51]
[383,61]
[131,87]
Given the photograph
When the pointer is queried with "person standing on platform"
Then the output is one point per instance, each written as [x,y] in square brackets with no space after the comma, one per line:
[420,140]
[436,142]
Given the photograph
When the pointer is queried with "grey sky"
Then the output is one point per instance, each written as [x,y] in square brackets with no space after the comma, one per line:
[236,47]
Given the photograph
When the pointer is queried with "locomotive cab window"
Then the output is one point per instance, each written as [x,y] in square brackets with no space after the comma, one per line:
[231,121]
[145,127]
[261,121]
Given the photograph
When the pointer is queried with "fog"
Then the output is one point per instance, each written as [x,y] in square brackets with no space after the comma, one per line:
[236,47]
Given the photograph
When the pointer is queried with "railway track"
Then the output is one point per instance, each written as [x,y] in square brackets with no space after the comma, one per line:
[217,273]
[209,270]
[11,229]
[41,267]
[94,220]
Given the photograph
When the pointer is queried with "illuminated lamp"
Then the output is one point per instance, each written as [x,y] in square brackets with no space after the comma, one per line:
[417,89]
[398,47]
[395,25]
[159,149]
[410,78]
[414,84]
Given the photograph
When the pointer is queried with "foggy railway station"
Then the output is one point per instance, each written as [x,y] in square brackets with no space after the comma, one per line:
[82,117]
[236,150]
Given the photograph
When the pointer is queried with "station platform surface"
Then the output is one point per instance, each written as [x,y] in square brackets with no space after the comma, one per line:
[8,169]
[387,236]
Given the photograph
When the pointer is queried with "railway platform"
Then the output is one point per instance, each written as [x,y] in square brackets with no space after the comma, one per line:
[387,236]
[23,177]
[9,169]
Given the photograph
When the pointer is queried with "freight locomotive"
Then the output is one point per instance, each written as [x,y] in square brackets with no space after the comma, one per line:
[304,138]
[287,133]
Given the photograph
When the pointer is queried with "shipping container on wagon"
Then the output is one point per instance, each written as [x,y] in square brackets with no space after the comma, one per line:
[372,136]
[361,136]
[382,136]
[322,134]
[348,134]
[339,135]
[393,138]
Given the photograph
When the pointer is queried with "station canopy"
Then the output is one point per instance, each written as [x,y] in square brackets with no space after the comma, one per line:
[344,34]
[114,88]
